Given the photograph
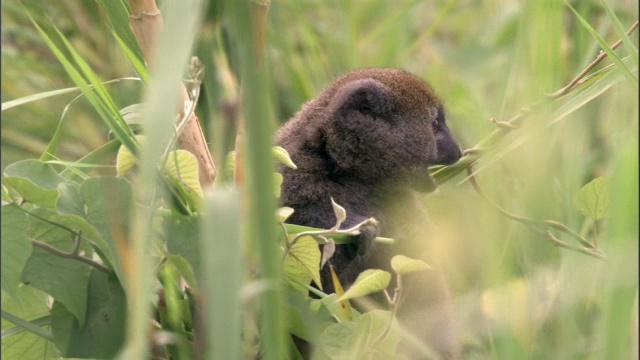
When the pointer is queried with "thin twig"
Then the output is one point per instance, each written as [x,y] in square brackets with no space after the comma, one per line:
[353,231]
[589,248]
[68,255]
[589,67]
[395,304]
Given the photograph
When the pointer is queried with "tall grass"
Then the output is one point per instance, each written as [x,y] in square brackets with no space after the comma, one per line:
[487,59]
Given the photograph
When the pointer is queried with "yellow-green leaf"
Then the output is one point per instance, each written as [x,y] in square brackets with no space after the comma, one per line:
[368,282]
[280,154]
[303,263]
[593,199]
[283,213]
[404,265]
[125,159]
[340,310]
[345,311]
[183,166]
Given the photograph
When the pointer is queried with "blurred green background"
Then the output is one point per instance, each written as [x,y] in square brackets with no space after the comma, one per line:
[487,60]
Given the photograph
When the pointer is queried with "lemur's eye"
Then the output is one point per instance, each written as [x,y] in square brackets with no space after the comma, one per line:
[436,125]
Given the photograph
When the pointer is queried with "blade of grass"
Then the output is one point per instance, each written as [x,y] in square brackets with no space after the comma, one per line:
[223,269]
[123,134]
[622,33]
[28,325]
[94,157]
[117,12]
[138,64]
[53,144]
[259,177]
[605,47]
[47,94]
[113,116]
[162,101]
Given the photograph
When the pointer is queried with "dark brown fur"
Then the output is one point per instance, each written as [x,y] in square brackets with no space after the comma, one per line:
[366,141]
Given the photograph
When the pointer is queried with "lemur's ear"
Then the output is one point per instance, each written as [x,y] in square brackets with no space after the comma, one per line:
[365,96]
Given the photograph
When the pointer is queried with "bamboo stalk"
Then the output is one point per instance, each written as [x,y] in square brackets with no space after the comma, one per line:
[145,22]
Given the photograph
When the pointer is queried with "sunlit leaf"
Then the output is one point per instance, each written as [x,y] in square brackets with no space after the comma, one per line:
[368,282]
[593,199]
[360,339]
[283,213]
[183,166]
[30,305]
[346,311]
[404,265]
[126,160]
[303,263]
[280,154]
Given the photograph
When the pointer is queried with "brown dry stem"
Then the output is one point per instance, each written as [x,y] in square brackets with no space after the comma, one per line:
[590,67]
[535,225]
[145,22]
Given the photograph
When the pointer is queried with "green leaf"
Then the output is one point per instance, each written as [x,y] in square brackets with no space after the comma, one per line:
[360,339]
[17,344]
[66,280]
[303,263]
[132,114]
[336,308]
[79,224]
[182,238]
[26,342]
[404,265]
[104,331]
[337,341]
[305,317]
[109,209]
[280,154]
[368,282]
[185,269]
[593,199]
[69,200]
[16,248]
[183,167]
[5,195]
[35,181]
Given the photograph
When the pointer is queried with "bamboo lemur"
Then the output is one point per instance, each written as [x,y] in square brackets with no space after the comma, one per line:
[366,141]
